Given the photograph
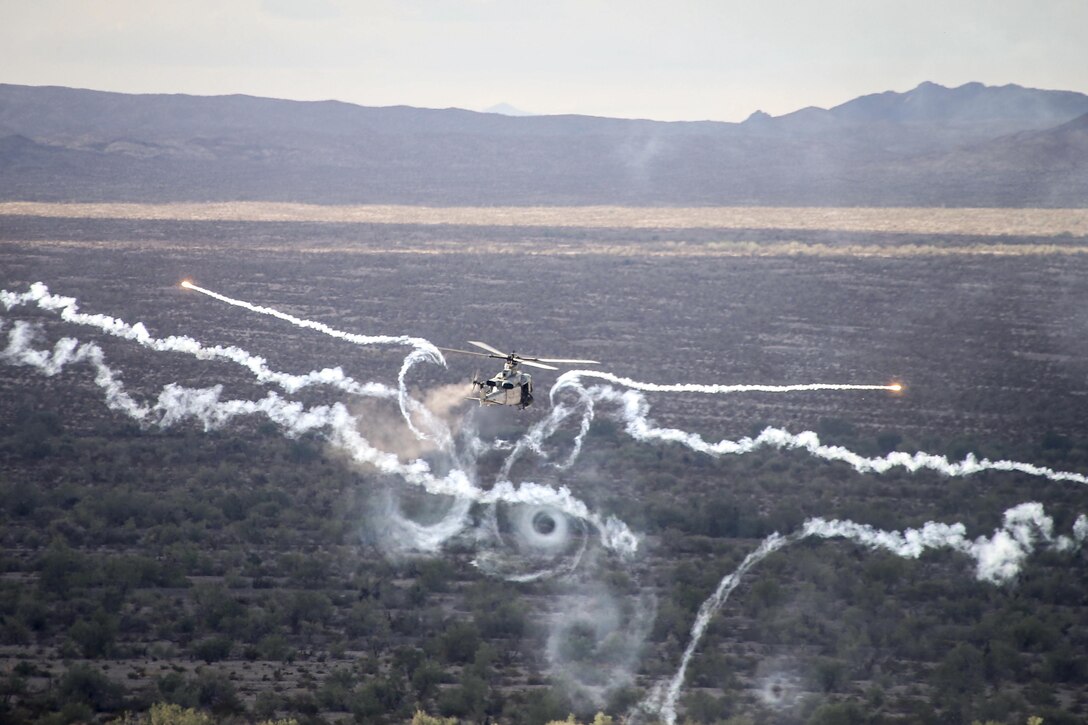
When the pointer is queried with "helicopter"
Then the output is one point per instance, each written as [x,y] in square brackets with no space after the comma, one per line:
[509,386]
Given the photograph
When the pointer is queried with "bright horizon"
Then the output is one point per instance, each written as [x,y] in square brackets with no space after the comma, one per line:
[685,60]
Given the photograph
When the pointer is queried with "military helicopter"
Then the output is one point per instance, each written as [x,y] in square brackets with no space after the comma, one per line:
[509,386]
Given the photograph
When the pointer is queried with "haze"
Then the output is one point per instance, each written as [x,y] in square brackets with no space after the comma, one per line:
[683,60]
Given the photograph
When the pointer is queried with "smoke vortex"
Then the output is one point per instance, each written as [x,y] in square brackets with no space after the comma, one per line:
[527,542]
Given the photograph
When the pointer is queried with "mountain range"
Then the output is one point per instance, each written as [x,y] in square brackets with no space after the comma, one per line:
[973,145]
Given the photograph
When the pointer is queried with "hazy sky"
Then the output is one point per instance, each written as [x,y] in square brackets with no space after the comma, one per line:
[667,59]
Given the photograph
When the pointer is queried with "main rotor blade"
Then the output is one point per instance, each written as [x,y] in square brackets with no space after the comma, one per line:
[485,346]
[465,352]
[568,361]
[531,364]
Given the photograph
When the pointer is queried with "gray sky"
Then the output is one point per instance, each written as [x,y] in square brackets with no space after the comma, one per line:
[661,59]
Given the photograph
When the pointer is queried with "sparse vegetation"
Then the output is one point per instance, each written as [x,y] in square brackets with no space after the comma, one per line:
[229,576]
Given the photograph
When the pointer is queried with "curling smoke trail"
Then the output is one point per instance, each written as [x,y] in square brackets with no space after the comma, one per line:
[572,380]
[424,351]
[998,559]
[533,439]
[634,412]
[662,699]
[176,404]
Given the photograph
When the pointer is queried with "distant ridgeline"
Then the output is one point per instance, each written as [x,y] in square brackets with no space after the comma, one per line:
[974,145]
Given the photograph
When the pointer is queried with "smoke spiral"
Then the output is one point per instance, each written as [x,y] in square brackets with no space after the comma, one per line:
[530,542]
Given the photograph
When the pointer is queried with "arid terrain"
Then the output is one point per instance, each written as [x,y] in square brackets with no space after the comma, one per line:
[980,314]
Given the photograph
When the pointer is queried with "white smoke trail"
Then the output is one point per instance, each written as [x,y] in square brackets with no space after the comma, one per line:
[662,699]
[68,308]
[416,342]
[438,430]
[634,411]
[68,351]
[998,559]
[572,378]
[533,439]
[424,351]
[176,404]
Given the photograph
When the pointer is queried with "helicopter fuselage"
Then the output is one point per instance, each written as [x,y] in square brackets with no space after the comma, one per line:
[509,387]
